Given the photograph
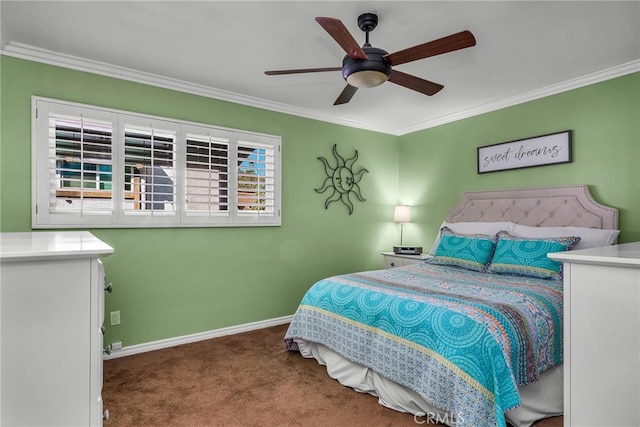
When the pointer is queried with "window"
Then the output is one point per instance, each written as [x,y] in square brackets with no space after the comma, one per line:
[106,168]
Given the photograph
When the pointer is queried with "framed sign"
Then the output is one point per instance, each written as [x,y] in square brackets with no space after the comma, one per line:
[525,153]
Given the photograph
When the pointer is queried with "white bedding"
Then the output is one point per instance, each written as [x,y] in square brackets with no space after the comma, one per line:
[539,400]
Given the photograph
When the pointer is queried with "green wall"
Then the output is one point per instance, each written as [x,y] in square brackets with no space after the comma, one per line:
[439,164]
[172,282]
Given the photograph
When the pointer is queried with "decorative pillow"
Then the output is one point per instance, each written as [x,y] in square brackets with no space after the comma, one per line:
[471,251]
[528,256]
[589,237]
[485,228]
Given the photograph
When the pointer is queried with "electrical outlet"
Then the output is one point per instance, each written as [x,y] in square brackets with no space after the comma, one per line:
[115,318]
[116,345]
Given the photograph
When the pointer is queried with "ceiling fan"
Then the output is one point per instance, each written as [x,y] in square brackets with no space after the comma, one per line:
[368,66]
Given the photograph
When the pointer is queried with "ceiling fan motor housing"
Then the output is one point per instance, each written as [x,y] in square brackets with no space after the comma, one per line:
[375,67]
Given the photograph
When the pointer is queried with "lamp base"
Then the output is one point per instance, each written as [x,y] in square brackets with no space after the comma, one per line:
[407,250]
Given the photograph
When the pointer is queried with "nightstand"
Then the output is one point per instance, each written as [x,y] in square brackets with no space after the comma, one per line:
[399,260]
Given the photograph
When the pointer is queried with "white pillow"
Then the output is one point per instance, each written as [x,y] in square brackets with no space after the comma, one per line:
[589,237]
[486,228]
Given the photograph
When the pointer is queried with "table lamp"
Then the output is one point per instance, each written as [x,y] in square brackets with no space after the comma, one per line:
[402,214]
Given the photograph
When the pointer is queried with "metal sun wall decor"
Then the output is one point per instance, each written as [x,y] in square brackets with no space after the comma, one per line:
[342,180]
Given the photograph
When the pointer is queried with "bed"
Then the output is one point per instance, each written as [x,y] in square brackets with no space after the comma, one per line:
[472,336]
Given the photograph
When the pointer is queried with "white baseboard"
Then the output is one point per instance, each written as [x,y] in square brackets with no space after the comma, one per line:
[186,339]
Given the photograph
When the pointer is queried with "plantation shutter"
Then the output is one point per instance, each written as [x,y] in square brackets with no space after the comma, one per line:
[150,170]
[80,164]
[74,169]
[207,175]
[256,180]
[100,167]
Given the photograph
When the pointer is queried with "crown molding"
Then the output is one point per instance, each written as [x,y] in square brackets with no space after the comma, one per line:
[589,79]
[32,53]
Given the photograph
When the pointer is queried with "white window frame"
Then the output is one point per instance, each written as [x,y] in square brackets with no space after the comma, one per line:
[268,213]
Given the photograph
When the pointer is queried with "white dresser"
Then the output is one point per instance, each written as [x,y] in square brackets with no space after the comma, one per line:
[602,335]
[52,312]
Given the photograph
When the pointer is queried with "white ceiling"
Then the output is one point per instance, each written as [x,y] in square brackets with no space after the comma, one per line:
[525,50]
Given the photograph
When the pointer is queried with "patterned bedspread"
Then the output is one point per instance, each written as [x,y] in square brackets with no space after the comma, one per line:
[463,340]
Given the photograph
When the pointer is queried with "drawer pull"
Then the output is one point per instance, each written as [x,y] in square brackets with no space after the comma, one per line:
[109,288]
[393,264]
[107,349]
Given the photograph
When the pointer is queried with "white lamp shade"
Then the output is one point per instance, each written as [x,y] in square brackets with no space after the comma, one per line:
[402,213]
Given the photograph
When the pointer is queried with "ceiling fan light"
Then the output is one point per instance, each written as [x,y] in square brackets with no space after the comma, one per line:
[366,73]
[367,78]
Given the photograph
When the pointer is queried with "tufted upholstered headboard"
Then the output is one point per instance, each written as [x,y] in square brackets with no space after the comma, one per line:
[570,205]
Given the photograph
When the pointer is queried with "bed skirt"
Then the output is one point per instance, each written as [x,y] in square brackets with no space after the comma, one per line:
[539,400]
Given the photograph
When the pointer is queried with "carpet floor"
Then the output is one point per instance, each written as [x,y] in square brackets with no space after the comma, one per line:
[247,379]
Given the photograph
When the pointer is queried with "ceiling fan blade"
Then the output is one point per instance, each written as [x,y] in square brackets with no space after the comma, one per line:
[301,70]
[346,95]
[446,44]
[415,83]
[340,34]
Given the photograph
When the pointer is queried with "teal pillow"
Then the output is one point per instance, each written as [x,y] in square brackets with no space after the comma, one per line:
[471,251]
[526,256]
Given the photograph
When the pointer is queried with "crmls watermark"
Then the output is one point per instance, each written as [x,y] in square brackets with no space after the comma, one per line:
[448,418]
